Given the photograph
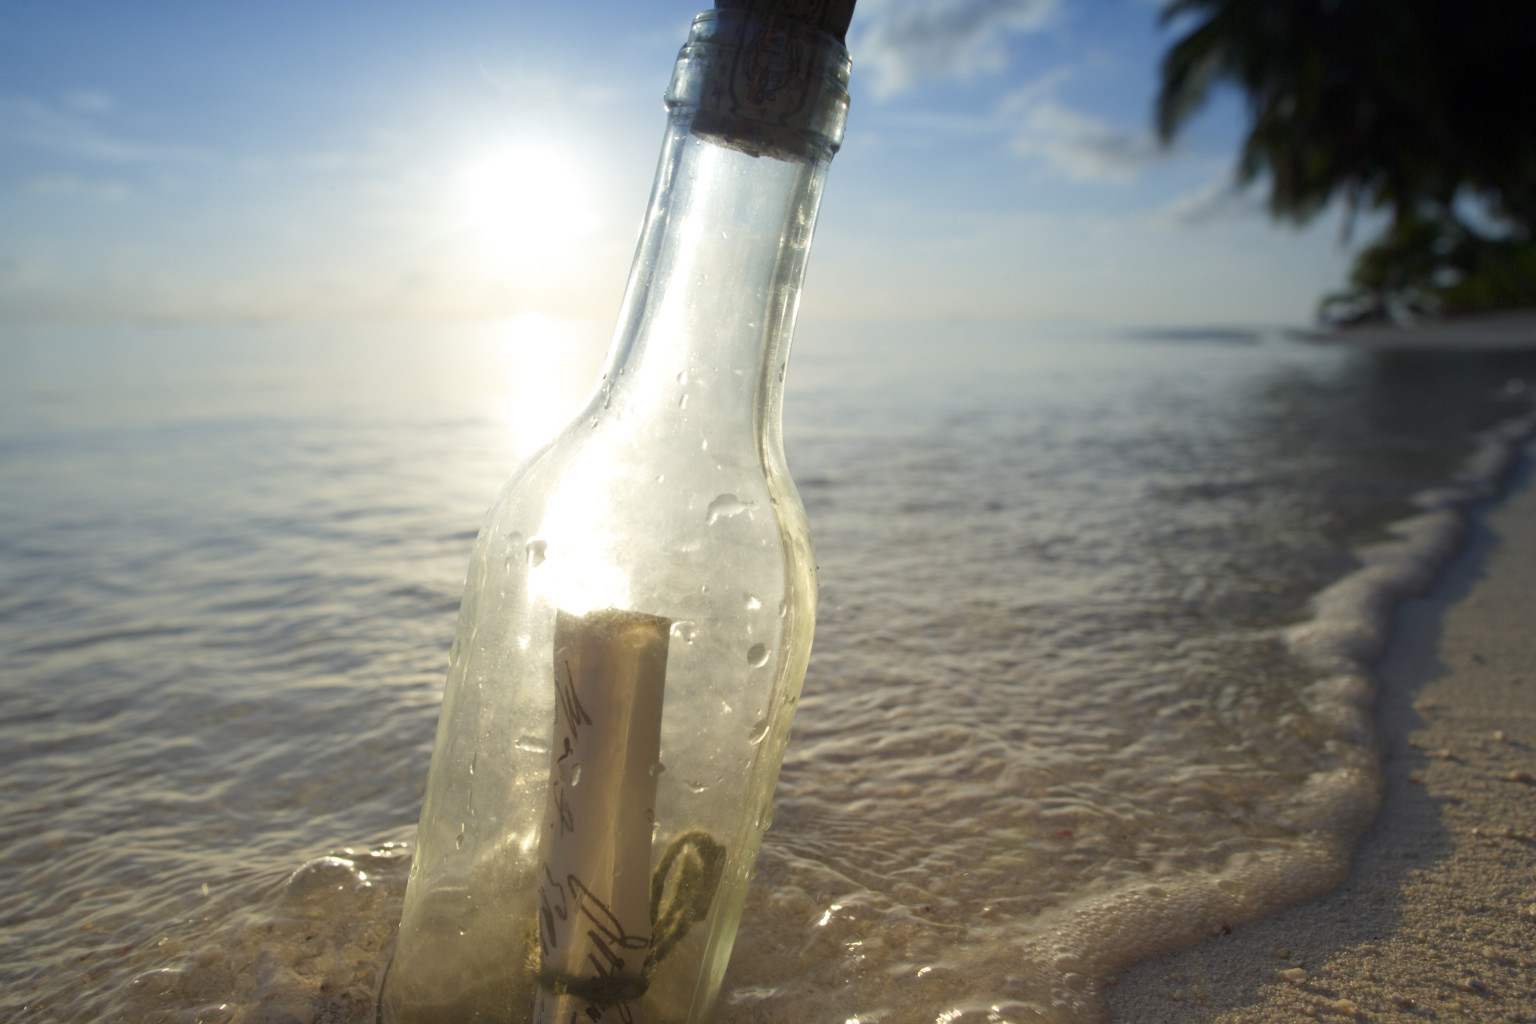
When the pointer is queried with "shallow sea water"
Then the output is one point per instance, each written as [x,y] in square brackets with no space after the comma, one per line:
[1090,675]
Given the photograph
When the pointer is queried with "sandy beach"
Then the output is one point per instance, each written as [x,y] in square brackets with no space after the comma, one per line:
[1437,920]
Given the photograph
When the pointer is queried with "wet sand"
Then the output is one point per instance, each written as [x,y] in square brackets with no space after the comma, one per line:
[1437,920]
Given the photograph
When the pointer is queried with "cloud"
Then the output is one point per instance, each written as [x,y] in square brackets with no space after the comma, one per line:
[1218,201]
[1042,88]
[73,185]
[72,129]
[80,128]
[904,40]
[91,101]
[1079,145]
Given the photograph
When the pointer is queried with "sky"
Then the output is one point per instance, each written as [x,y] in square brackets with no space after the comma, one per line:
[208,161]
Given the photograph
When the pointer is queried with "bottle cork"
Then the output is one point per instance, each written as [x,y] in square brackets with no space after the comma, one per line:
[829,16]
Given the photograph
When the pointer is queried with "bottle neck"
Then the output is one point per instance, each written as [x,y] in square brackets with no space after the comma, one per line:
[756,109]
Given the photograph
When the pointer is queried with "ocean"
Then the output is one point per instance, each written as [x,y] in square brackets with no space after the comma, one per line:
[1090,679]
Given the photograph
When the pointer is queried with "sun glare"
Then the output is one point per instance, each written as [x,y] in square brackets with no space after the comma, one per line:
[526,205]
[549,365]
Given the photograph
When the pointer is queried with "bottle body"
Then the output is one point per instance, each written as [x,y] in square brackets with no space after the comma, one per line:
[638,611]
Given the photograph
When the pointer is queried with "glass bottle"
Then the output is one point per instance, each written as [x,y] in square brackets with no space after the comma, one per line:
[638,610]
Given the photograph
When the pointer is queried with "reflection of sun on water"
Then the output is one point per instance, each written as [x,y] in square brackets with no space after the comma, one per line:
[530,207]
[549,366]
[526,205]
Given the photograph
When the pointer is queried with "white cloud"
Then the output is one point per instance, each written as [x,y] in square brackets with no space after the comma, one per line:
[71,129]
[74,185]
[1042,88]
[1218,201]
[91,101]
[1079,145]
[80,128]
[901,41]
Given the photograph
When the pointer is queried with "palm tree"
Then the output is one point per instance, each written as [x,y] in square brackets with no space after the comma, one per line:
[1419,108]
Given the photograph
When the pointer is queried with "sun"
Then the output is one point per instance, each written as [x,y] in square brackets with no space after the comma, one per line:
[526,205]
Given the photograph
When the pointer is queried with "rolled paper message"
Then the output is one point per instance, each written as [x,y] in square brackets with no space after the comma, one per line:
[595,860]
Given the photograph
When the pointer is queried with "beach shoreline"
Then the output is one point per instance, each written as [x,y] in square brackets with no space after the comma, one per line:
[1060,709]
[1512,330]
[1437,918]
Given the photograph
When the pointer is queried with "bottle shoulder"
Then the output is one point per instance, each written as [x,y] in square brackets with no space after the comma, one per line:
[677,498]
[674,471]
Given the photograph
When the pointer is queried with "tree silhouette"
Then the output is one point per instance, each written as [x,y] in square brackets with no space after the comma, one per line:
[1418,108]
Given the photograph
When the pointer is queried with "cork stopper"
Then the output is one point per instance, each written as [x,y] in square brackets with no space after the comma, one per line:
[829,16]
[753,80]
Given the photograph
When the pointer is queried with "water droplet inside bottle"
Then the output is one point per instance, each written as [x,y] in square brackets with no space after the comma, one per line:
[458,842]
[759,731]
[753,604]
[657,769]
[682,378]
[726,506]
[685,631]
[757,655]
[575,775]
[783,608]
[697,787]
[682,403]
[765,820]
[536,549]
[533,744]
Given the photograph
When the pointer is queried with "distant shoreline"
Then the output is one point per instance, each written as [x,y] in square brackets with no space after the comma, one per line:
[1435,919]
[1507,331]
